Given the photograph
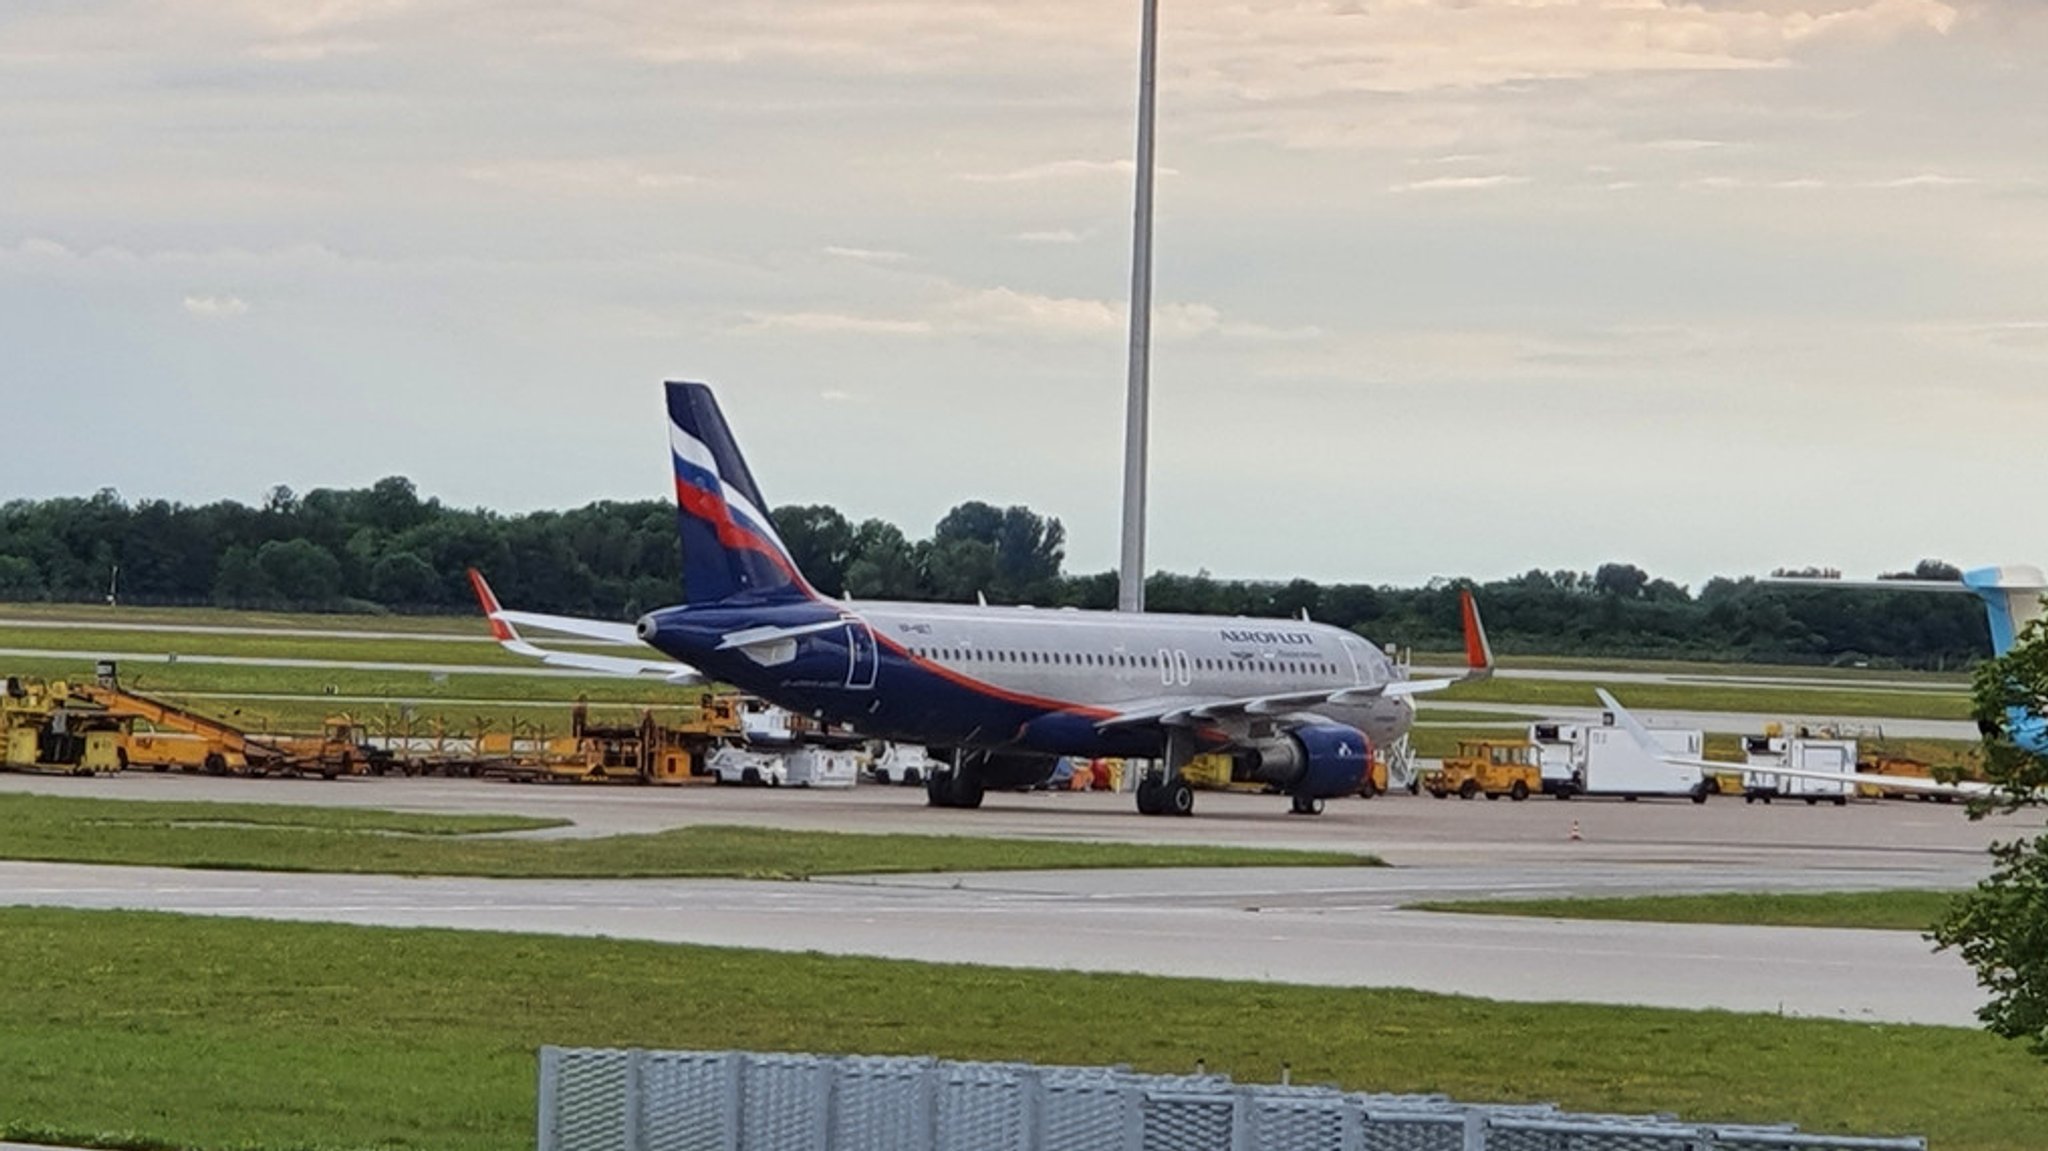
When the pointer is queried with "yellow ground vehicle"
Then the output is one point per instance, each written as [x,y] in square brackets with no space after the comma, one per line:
[648,751]
[50,727]
[1488,768]
[1902,767]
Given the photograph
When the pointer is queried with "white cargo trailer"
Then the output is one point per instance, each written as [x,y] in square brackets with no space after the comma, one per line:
[1602,759]
[1616,764]
[1829,756]
[814,766]
[1558,753]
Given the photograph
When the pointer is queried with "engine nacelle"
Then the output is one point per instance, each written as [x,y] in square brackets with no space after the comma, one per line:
[1315,760]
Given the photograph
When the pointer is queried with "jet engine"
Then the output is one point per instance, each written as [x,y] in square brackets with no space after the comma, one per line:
[1314,761]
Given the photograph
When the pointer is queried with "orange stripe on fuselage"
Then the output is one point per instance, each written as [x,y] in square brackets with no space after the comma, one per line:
[984,688]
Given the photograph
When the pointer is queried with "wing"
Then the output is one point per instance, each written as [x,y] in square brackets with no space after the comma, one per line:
[505,625]
[1965,789]
[1181,711]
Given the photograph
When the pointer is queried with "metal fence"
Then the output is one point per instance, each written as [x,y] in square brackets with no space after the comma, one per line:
[616,1100]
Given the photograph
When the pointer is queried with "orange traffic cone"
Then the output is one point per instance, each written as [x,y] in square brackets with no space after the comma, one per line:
[1575,836]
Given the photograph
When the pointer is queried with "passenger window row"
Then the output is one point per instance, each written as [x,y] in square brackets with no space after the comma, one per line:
[1118,659]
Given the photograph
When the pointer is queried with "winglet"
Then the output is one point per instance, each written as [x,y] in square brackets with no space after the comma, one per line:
[1631,724]
[488,601]
[1478,652]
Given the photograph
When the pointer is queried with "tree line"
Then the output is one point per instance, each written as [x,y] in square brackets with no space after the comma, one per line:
[384,548]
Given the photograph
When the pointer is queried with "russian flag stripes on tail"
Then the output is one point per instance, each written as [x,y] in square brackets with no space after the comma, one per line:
[730,548]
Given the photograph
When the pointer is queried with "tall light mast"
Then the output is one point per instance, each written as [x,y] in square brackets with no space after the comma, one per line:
[1131,570]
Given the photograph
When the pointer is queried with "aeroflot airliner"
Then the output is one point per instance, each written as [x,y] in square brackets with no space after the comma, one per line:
[1004,690]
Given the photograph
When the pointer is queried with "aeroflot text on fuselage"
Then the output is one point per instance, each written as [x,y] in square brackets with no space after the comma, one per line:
[1273,637]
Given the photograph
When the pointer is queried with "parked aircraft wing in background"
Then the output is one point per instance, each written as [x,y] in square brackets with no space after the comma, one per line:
[505,625]
[1967,789]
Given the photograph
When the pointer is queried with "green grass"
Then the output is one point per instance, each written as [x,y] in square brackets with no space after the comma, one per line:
[470,650]
[1876,910]
[264,837]
[125,1027]
[1937,703]
[453,624]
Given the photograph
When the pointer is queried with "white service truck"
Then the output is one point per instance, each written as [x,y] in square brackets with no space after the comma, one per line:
[908,763]
[735,764]
[1602,759]
[1803,753]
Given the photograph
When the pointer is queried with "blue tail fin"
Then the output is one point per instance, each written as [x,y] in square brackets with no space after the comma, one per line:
[730,548]
[2012,598]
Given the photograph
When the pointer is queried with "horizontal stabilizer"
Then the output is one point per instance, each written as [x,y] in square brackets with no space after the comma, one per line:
[505,629]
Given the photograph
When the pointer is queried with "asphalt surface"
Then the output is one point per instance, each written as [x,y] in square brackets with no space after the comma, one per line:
[1321,927]
[1341,928]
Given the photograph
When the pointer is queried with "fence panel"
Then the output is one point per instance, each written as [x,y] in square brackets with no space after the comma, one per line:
[598,1100]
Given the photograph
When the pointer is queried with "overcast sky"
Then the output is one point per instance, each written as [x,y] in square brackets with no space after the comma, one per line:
[1445,287]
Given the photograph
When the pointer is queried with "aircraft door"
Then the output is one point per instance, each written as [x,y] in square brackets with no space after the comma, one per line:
[861,658]
[1355,651]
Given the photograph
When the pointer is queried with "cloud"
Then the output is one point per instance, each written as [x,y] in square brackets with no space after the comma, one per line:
[1924,180]
[1683,145]
[594,175]
[2026,339]
[1056,170]
[866,255]
[216,307]
[1006,311]
[1459,183]
[831,323]
[1052,236]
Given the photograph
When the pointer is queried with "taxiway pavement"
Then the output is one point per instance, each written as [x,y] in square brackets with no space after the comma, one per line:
[1314,926]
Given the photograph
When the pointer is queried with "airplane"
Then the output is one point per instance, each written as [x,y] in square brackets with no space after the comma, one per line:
[1006,691]
[2012,598]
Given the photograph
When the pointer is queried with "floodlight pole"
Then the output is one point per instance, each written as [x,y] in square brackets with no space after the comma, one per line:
[1131,571]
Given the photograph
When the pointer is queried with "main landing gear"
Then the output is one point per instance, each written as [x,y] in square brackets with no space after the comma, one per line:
[1306,805]
[1164,790]
[957,786]
[1158,795]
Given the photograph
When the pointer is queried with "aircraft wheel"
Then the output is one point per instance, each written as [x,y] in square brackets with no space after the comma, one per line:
[1307,805]
[968,791]
[936,787]
[1148,796]
[1180,798]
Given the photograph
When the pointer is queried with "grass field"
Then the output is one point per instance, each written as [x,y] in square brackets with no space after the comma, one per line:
[1877,910]
[137,1029]
[465,624]
[265,837]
